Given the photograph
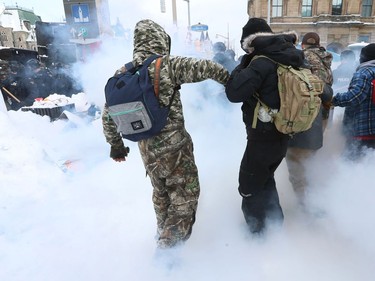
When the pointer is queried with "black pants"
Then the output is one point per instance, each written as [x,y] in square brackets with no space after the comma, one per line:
[257,184]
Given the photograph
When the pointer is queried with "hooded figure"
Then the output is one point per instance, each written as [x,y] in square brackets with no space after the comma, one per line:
[168,157]
[266,146]
[359,100]
[304,145]
[318,57]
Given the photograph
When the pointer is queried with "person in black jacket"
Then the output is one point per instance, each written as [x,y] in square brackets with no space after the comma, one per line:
[266,146]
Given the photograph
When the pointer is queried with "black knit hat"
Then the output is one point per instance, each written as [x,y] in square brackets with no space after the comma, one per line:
[367,53]
[254,25]
[311,38]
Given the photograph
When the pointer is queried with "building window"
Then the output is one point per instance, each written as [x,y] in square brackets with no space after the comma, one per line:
[363,38]
[277,8]
[306,8]
[27,25]
[366,8]
[336,7]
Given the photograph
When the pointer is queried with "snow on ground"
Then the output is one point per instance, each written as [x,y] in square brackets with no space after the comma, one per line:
[96,221]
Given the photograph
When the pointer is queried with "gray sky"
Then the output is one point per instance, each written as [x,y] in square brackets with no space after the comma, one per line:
[221,16]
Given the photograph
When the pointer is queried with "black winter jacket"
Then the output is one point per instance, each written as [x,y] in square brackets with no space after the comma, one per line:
[260,76]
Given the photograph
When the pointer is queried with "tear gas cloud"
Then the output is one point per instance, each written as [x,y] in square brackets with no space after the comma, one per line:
[96,220]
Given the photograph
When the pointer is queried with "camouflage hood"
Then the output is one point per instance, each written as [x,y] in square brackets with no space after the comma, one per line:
[325,56]
[149,39]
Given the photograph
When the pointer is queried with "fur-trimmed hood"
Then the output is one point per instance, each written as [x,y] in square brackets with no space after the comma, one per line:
[248,43]
[280,47]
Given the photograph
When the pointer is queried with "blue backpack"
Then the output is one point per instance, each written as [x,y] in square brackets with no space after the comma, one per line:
[133,102]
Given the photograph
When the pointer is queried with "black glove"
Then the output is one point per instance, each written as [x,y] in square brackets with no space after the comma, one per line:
[119,152]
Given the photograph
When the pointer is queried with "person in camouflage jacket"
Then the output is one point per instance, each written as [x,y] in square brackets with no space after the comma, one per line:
[168,157]
[303,146]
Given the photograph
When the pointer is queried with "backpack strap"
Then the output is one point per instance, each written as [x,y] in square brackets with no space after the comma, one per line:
[157,77]
[256,95]
[130,67]
[256,110]
[157,82]
[255,117]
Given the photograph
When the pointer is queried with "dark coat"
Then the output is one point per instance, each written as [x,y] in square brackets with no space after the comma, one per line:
[313,137]
[319,61]
[260,76]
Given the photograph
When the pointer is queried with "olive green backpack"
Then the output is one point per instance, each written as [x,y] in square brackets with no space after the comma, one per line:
[299,92]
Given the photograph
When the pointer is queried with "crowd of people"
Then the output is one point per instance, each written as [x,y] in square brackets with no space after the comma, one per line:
[224,56]
[23,82]
[168,157]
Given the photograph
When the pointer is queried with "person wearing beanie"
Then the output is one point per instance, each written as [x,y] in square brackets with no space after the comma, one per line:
[359,99]
[254,25]
[303,146]
[318,57]
[311,39]
[266,146]
[367,53]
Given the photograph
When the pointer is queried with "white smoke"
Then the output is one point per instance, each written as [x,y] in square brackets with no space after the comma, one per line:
[95,221]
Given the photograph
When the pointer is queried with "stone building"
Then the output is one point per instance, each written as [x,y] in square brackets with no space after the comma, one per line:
[17,27]
[338,22]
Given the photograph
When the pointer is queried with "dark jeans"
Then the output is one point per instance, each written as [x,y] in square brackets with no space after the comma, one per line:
[257,185]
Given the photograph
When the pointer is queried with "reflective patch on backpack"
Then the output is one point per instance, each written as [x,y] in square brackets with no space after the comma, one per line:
[130,118]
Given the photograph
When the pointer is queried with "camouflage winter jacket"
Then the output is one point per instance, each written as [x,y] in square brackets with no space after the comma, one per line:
[320,61]
[150,38]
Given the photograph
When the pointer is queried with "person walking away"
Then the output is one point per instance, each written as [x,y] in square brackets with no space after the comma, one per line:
[168,157]
[344,72]
[232,58]
[220,56]
[303,146]
[359,99]
[266,146]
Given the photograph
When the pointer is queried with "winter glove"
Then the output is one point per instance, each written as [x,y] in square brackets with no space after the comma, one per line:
[119,153]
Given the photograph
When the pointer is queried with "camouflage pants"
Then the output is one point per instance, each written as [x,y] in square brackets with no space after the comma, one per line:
[296,159]
[174,177]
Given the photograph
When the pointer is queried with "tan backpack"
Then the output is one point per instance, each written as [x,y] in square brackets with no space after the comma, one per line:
[299,92]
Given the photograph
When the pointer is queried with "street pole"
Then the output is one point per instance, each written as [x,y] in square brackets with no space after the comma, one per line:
[174,12]
[188,2]
[269,12]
